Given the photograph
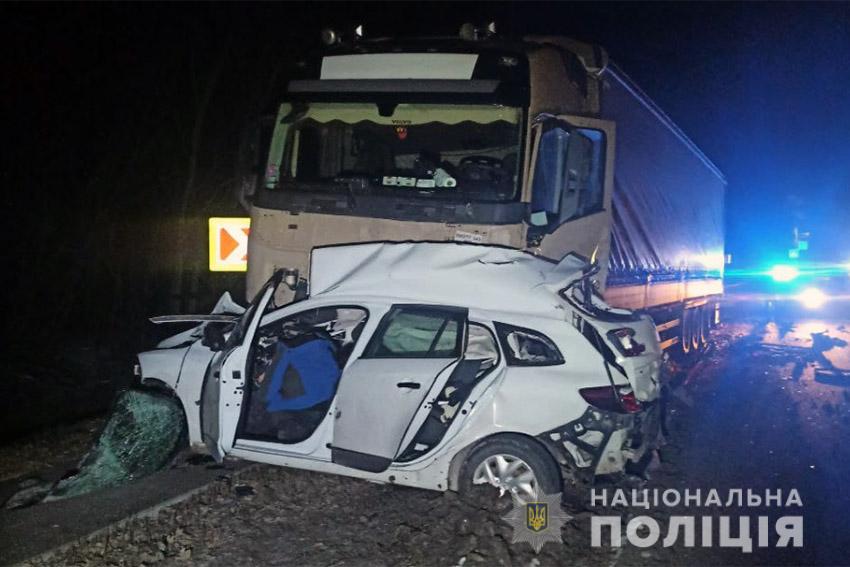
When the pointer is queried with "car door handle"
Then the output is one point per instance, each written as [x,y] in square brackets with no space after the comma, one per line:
[411,385]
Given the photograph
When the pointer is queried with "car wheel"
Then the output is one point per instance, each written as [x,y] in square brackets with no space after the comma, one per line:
[510,466]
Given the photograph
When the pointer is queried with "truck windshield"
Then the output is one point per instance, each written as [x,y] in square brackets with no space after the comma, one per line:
[432,150]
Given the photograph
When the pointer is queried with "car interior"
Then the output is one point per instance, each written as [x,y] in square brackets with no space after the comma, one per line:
[297,363]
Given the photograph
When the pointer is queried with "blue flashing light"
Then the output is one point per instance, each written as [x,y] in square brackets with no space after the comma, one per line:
[784,273]
[812,298]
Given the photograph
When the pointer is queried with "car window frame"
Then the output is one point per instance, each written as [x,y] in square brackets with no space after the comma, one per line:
[502,332]
[461,315]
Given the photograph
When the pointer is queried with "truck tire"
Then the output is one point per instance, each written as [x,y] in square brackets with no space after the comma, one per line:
[510,465]
[696,329]
[706,316]
[685,334]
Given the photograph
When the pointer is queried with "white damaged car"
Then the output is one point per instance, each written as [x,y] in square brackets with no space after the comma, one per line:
[435,365]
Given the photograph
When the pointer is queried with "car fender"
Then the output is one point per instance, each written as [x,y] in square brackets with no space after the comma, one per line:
[161,365]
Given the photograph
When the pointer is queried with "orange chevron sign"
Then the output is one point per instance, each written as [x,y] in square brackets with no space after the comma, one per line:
[229,243]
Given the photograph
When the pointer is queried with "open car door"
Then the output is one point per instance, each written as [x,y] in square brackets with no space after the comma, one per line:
[224,383]
[389,389]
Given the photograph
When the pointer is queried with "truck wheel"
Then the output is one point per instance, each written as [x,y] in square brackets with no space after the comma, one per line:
[510,465]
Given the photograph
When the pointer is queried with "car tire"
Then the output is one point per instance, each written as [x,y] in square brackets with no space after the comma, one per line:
[509,449]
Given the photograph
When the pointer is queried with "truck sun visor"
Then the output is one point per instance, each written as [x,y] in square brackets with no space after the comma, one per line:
[479,86]
[399,66]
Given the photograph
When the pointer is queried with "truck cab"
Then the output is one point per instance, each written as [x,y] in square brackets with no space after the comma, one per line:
[480,139]
[434,140]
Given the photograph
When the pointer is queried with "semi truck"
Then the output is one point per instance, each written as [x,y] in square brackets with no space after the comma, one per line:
[541,144]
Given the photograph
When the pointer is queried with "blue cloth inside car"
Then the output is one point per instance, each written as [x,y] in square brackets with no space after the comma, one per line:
[303,375]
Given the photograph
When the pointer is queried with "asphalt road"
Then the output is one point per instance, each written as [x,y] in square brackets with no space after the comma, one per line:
[768,408]
[776,415]
[27,532]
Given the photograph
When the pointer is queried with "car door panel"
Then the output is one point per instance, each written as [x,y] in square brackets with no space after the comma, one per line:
[389,388]
[377,401]
[465,370]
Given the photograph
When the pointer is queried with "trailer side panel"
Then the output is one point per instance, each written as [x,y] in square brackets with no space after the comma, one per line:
[667,233]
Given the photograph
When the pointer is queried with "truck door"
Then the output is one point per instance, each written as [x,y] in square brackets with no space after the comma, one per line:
[224,383]
[411,354]
[571,183]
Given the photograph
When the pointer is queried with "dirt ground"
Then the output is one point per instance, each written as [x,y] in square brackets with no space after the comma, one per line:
[47,448]
[764,409]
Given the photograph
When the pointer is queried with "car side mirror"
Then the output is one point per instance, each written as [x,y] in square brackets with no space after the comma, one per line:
[213,337]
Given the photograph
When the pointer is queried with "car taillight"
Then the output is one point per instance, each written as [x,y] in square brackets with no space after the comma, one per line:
[606,399]
[624,340]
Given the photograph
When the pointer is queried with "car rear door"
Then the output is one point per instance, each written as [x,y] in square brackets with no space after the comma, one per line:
[412,352]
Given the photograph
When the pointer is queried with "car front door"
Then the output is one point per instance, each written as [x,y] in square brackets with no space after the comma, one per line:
[411,354]
[225,380]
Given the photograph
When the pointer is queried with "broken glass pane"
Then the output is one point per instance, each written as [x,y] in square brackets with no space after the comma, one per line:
[143,433]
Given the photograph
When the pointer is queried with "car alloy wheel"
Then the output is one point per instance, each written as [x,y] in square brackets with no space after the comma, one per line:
[508,474]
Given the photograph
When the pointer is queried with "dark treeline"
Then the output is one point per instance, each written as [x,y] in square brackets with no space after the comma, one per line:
[123,127]
[122,131]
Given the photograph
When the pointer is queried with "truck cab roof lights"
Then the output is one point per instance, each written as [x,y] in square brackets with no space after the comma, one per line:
[330,36]
[471,32]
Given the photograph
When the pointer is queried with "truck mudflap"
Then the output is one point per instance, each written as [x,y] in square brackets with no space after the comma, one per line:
[602,442]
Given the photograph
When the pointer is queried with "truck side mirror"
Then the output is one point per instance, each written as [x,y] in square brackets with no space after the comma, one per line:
[213,337]
[253,151]
[539,218]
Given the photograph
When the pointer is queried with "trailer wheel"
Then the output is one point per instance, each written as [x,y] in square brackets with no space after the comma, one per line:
[696,328]
[714,315]
[685,336]
[706,315]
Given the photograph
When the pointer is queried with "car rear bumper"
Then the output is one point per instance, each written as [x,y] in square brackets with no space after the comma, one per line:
[601,442]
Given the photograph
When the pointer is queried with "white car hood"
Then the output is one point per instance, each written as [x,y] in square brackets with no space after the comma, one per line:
[225,310]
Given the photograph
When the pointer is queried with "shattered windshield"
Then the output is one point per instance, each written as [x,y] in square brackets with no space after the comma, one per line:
[439,150]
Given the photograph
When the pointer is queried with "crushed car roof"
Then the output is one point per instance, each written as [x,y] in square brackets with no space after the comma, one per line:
[468,275]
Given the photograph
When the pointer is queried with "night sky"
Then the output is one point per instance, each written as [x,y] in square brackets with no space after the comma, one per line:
[761,87]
